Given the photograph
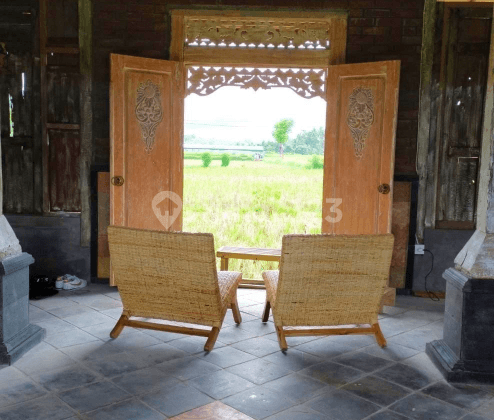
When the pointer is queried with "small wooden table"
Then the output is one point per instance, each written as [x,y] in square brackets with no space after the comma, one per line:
[259,254]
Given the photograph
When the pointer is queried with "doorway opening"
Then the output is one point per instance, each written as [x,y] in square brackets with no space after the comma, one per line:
[256,194]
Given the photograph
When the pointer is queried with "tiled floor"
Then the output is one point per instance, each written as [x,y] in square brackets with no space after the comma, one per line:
[78,372]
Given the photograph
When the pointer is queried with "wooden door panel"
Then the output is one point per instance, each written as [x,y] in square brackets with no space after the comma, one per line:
[359,153]
[146,140]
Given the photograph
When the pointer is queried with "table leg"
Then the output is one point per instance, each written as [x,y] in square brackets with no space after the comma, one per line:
[224,264]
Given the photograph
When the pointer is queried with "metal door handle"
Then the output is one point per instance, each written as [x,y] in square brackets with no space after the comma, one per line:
[118,181]
[384,188]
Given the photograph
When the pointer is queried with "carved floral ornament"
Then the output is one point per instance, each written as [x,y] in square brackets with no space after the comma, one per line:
[149,112]
[360,117]
[257,32]
[308,83]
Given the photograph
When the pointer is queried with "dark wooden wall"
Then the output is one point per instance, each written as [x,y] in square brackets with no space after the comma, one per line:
[19,105]
[378,30]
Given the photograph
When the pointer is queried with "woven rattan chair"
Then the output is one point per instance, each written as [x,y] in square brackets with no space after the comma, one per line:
[328,280]
[171,276]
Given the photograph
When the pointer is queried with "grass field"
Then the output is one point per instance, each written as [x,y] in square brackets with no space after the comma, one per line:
[252,204]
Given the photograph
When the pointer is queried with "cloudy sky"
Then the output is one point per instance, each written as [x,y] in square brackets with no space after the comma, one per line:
[232,114]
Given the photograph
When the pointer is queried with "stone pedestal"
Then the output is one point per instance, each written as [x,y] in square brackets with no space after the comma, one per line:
[466,352]
[17,336]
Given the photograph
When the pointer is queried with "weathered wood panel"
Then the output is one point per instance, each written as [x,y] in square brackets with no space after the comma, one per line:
[103,223]
[62,22]
[17,168]
[63,169]
[464,75]
[63,96]
[400,228]
[16,95]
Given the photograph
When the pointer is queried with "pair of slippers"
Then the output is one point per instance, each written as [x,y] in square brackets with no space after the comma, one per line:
[69,282]
[41,287]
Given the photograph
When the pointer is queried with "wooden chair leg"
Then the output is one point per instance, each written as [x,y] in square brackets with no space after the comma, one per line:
[236,312]
[265,315]
[213,335]
[281,338]
[119,326]
[379,335]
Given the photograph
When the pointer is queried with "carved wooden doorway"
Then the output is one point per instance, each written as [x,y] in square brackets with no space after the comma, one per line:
[216,48]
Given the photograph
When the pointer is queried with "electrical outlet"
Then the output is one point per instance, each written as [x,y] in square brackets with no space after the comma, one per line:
[419,249]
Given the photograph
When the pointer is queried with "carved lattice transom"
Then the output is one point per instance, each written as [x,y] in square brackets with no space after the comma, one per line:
[254,32]
[308,83]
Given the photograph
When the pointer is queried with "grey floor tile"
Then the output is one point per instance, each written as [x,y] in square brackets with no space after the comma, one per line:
[118,364]
[258,328]
[9,374]
[45,408]
[256,310]
[70,338]
[377,390]
[90,351]
[163,336]
[299,412]
[103,303]
[220,384]
[268,402]
[158,353]
[37,315]
[293,359]
[65,378]
[55,326]
[53,302]
[245,318]
[363,361]
[88,319]
[194,345]
[415,339]
[387,415]
[70,310]
[332,374]
[234,334]
[392,351]
[19,390]
[93,396]
[226,356]
[392,326]
[176,400]
[134,341]
[259,371]
[424,364]
[421,407]
[126,410]
[293,341]
[114,313]
[297,387]
[486,410]
[342,405]
[405,375]
[325,348]
[474,416]
[32,363]
[258,346]
[461,395]
[145,380]
[188,368]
